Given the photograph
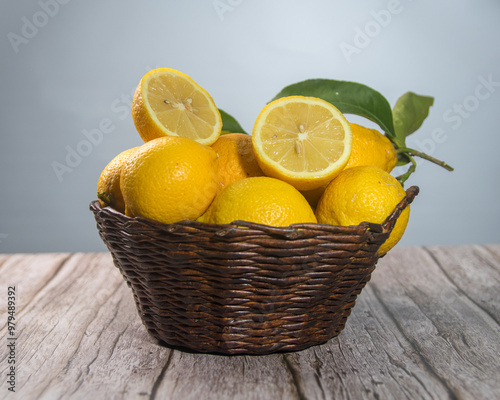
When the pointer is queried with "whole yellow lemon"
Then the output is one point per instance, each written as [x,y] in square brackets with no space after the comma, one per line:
[261,200]
[169,179]
[108,186]
[361,194]
[236,158]
[370,147]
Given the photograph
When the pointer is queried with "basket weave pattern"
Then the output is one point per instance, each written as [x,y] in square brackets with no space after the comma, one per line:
[243,288]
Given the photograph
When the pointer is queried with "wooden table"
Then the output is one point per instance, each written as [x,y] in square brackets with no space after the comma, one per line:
[425,327]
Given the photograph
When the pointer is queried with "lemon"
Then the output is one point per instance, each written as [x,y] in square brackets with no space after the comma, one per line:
[236,158]
[364,193]
[370,147]
[304,141]
[261,200]
[169,179]
[108,186]
[170,103]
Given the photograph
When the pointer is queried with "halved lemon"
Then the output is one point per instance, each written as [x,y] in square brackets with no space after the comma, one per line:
[170,103]
[305,141]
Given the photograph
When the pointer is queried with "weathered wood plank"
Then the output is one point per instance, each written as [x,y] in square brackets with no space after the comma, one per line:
[474,271]
[494,250]
[3,258]
[371,358]
[80,336]
[194,376]
[424,328]
[30,273]
[112,357]
[455,337]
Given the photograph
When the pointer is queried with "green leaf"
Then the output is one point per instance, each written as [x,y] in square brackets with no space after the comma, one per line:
[409,113]
[349,98]
[229,123]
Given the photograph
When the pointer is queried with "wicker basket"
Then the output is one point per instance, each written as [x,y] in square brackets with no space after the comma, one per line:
[243,288]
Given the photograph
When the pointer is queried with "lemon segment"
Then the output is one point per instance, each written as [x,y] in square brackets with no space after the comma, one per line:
[304,141]
[170,103]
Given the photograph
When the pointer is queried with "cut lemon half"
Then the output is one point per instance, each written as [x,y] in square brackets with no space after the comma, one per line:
[169,103]
[305,141]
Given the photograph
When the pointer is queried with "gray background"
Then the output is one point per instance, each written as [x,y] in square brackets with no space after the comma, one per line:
[70,67]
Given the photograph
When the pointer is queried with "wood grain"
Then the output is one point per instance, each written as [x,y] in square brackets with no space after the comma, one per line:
[425,327]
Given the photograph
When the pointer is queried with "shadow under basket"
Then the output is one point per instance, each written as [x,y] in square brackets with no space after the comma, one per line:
[243,288]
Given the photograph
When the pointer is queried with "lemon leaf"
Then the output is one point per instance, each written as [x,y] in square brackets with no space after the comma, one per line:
[409,113]
[349,98]
[229,123]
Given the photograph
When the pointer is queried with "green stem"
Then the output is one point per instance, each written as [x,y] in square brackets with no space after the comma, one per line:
[412,152]
[104,197]
[402,178]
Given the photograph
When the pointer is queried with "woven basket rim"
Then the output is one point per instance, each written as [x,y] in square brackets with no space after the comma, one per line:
[286,231]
